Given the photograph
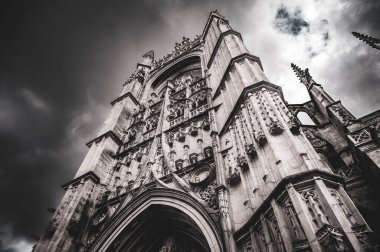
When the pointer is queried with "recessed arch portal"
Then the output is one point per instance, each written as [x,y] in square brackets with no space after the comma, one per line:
[160,217]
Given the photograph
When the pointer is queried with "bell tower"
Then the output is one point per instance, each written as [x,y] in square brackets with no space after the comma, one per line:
[201,152]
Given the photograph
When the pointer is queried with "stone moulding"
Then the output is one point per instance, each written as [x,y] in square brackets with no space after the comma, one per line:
[160,196]
[110,134]
[87,176]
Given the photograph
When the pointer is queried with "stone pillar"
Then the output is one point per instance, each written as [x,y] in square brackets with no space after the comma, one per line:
[336,214]
[282,225]
[303,215]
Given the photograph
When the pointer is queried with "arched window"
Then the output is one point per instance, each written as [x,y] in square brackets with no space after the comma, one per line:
[304,118]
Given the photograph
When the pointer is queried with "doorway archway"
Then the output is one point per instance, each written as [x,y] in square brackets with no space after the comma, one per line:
[160,219]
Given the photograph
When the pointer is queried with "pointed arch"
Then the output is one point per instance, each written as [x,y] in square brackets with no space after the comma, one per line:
[125,218]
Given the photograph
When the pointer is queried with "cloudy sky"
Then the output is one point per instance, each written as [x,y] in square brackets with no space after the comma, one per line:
[62,62]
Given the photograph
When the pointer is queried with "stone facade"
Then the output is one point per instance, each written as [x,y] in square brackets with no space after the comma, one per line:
[200,152]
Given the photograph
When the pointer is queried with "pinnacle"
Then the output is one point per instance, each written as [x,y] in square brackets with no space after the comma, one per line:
[297,70]
[373,42]
[149,54]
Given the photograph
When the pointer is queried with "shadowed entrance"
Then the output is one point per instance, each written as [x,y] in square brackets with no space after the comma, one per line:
[161,228]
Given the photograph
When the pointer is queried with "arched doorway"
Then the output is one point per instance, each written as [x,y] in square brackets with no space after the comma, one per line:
[160,219]
[162,228]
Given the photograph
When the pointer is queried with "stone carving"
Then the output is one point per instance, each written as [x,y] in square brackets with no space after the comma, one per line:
[202,176]
[233,176]
[198,85]
[366,237]
[179,48]
[275,128]
[341,113]
[250,150]
[292,219]
[151,123]
[260,138]
[176,110]
[242,162]
[332,239]
[316,210]
[188,79]
[139,74]
[374,132]
[199,99]
[210,197]
[275,233]
[294,125]
[360,136]
[343,206]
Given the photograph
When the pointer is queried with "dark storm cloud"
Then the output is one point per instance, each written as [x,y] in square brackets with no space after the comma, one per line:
[62,62]
[291,23]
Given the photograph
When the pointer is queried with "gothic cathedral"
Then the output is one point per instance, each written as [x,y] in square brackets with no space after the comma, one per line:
[200,152]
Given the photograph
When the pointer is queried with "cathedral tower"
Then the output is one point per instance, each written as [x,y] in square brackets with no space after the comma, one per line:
[200,152]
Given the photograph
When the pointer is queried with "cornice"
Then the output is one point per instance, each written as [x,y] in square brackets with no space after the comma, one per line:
[123,97]
[110,134]
[88,175]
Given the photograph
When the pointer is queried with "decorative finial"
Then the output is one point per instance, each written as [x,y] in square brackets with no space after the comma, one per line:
[149,54]
[303,75]
[372,42]
[298,71]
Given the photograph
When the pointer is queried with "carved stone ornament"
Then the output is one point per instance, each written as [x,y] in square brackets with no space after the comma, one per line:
[366,237]
[242,162]
[180,48]
[294,126]
[100,217]
[250,150]
[210,197]
[332,239]
[233,177]
[208,151]
[260,138]
[275,128]
[202,176]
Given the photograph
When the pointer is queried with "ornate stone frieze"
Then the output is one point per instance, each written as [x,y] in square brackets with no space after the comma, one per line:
[179,48]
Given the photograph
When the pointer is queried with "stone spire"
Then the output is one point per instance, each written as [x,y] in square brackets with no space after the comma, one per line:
[372,42]
[303,75]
